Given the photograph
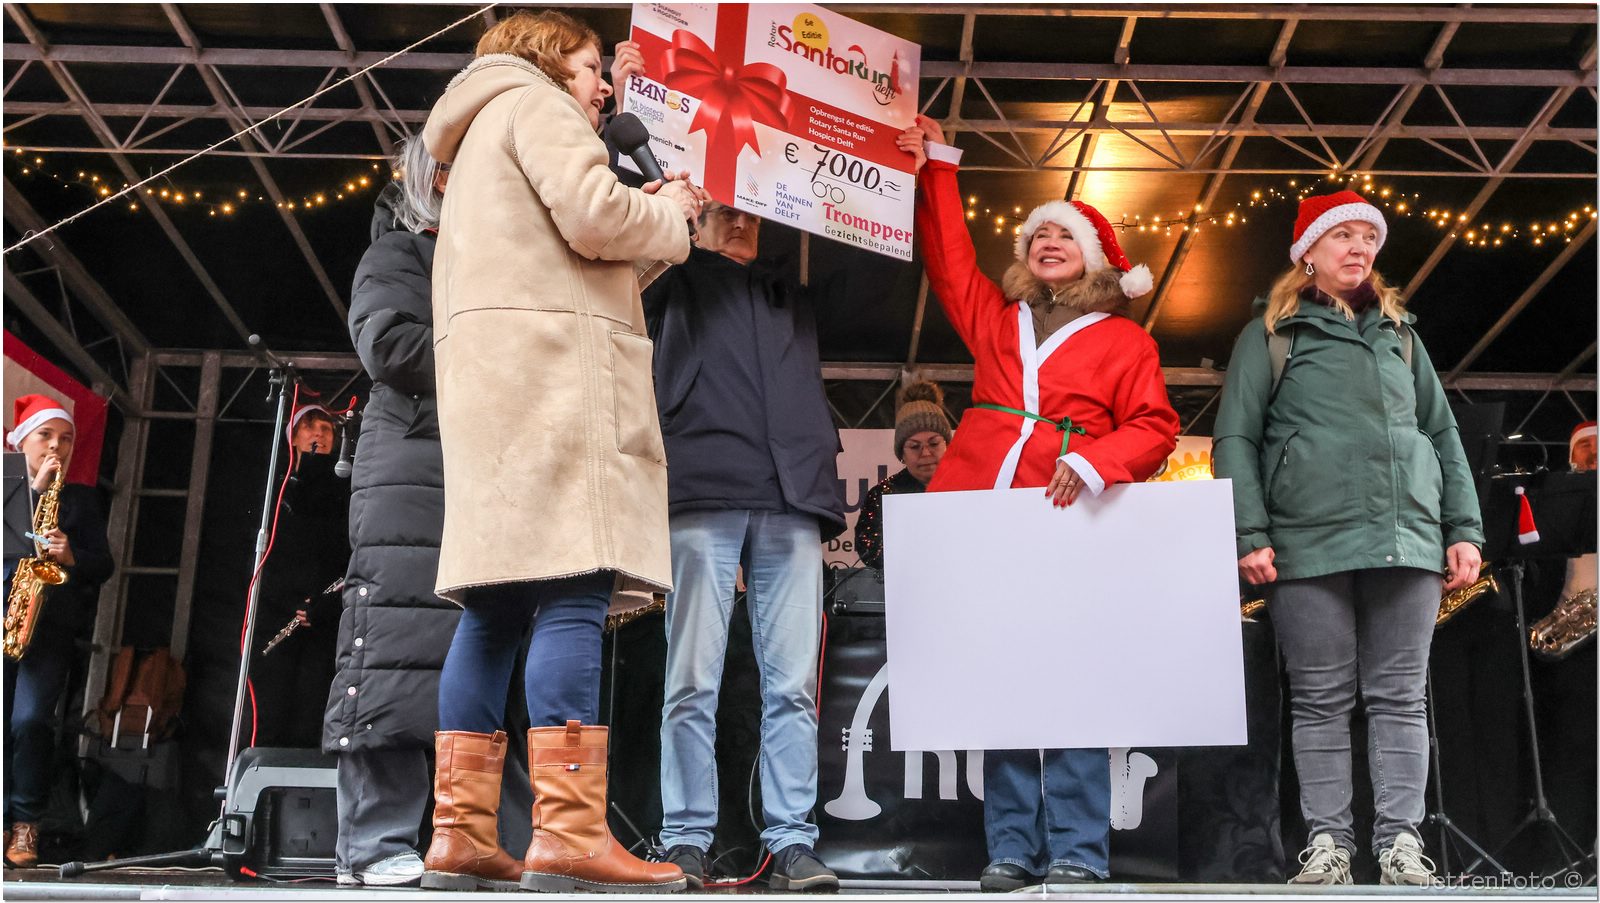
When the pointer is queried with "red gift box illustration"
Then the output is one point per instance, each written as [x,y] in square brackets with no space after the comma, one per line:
[733,95]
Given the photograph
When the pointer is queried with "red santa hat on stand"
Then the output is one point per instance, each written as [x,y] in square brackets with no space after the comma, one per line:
[1323,212]
[1096,240]
[1527,533]
[32,412]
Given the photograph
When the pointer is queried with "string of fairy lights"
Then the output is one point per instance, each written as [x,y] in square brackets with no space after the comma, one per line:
[224,202]
[1483,234]
[216,201]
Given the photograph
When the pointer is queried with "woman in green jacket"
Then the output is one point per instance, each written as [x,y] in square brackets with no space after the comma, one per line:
[1352,496]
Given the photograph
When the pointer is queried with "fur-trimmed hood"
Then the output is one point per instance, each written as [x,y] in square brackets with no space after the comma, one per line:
[1096,292]
[484,79]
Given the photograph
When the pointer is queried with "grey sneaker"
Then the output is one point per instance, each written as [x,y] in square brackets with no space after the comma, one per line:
[796,867]
[399,870]
[1403,863]
[1323,863]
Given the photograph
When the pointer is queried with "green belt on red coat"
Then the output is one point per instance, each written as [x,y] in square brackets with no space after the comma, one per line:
[1064,425]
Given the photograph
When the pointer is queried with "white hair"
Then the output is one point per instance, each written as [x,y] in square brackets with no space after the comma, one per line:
[417,204]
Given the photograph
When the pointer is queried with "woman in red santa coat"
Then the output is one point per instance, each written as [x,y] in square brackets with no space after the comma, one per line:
[1067,395]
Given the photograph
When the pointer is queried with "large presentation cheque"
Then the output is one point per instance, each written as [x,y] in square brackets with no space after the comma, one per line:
[787,111]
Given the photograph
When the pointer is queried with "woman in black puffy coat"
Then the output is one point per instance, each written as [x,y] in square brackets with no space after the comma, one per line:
[382,707]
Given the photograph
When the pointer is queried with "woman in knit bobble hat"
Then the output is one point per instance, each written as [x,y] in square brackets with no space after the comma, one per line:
[921,437]
[1067,396]
[1352,495]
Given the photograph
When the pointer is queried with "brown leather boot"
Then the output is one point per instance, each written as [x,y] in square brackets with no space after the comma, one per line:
[22,846]
[572,849]
[465,851]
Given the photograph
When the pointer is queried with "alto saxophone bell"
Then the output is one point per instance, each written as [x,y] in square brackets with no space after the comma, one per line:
[1566,629]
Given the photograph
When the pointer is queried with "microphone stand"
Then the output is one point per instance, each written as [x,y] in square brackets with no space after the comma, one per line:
[214,851]
[279,381]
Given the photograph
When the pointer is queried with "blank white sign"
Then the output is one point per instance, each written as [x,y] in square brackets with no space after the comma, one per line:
[1013,624]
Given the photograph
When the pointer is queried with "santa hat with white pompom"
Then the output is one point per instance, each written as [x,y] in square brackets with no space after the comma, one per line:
[1095,238]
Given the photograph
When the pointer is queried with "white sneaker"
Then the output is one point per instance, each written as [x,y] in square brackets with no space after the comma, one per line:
[1323,863]
[396,871]
[1403,863]
[345,879]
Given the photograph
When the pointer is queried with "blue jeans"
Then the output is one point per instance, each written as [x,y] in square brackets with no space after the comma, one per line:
[1047,808]
[563,671]
[782,559]
[33,686]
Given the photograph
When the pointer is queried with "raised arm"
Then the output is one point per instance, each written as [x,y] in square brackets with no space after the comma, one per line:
[948,256]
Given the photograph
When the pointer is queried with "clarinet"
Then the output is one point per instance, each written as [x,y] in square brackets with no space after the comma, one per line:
[299,620]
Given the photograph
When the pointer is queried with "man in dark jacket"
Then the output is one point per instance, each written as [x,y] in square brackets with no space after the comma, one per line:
[751,479]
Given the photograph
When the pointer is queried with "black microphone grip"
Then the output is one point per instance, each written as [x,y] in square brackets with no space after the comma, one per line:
[646,162]
[631,137]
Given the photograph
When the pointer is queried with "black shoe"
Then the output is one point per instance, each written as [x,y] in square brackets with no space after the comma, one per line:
[1005,877]
[1071,874]
[693,862]
[798,868]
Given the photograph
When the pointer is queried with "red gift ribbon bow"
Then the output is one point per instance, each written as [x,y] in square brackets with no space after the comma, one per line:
[732,100]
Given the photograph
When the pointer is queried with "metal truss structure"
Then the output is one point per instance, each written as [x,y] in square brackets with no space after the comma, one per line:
[1208,147]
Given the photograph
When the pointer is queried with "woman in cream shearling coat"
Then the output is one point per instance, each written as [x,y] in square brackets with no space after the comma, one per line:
[554,473]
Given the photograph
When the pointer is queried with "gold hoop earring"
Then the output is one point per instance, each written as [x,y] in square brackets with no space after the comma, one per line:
[1310,270]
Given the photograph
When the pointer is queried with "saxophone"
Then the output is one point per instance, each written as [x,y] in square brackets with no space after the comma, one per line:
[35,574]
[1455,600]
[1566,628]
[618,619]
[1449,604]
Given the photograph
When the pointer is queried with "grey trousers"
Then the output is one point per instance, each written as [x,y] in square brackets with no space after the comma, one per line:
[382,794]
[1367,630]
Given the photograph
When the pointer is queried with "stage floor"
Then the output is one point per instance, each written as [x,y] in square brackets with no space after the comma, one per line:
[214,884]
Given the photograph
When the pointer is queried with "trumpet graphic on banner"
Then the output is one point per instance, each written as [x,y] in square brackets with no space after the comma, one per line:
[853,803]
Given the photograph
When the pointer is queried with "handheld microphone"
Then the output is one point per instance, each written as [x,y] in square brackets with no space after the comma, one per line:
[341,467]
[627,131]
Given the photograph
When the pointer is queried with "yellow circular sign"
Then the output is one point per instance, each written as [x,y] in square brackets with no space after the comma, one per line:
[810,30]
